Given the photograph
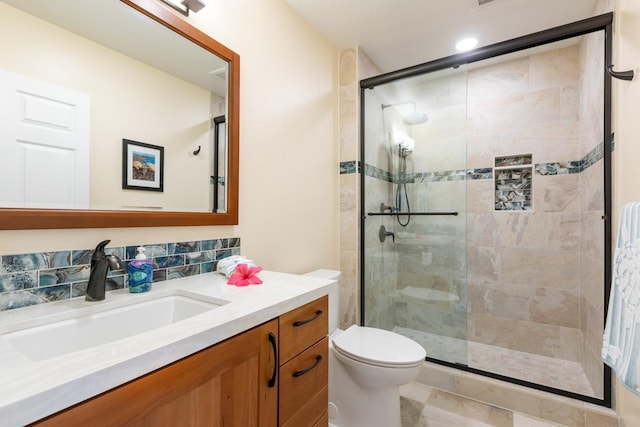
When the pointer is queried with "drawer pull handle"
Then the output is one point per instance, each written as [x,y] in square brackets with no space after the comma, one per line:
[274,346]
[297,374]
[311,319]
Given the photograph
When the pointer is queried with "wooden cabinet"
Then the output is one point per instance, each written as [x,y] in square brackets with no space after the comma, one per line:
[224,385]
[304,365]
[274,374]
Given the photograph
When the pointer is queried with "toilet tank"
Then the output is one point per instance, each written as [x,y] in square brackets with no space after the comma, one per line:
[334,295]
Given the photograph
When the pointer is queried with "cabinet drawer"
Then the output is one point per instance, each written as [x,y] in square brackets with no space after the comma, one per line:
[303,327]
[304,392]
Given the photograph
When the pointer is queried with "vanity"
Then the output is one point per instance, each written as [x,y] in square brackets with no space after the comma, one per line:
[254,355]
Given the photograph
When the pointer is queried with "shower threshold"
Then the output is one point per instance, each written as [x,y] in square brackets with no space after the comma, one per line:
[546,371]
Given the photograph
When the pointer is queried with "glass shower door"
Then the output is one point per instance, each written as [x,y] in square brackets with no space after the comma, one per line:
[414,226]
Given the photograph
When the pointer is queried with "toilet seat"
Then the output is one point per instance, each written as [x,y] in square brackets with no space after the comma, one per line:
[379,347]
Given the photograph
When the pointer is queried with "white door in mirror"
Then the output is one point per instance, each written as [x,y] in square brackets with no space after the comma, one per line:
[44,148]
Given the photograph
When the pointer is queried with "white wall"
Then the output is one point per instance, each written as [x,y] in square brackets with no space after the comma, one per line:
[626,172]
[288,146]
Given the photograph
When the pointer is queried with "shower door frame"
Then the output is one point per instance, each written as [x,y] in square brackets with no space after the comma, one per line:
[594,24]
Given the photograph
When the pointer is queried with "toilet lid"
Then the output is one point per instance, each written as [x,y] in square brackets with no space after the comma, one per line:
[379,347]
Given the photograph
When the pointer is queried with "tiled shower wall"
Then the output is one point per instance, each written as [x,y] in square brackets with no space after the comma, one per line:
[535,277]
[37,278]
[349,189]
[354,66]
[523,267]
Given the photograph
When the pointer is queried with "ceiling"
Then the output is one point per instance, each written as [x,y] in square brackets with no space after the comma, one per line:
[397,34]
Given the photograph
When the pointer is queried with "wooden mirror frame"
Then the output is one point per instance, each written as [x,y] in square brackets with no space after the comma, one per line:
[35,219]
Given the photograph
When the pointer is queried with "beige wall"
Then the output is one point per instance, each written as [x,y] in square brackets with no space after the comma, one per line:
[626,173]
[108,78]
[288,139]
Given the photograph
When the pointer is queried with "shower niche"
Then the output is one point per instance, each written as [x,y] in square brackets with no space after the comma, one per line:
[512,178]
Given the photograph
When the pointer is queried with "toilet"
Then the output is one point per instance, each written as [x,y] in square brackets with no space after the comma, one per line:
[366,367]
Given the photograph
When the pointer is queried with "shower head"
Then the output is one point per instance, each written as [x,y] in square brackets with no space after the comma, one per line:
[412,118]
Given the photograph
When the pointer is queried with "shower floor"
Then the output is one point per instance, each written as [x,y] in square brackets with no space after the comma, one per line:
[534,368]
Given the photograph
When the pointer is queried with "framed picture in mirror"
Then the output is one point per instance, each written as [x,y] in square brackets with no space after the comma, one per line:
[142,166]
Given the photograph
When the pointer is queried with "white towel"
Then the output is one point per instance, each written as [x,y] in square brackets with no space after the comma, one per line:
[621,342]
[227,265]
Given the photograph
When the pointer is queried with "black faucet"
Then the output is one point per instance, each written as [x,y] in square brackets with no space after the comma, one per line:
[100,264]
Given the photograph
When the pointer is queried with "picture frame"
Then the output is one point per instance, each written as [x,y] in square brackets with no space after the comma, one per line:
[142,166]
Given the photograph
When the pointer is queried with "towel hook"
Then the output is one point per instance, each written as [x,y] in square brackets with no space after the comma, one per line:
[196,152]
[622,75]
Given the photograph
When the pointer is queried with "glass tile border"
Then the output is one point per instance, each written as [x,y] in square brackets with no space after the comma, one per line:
[542,169]
[42,277]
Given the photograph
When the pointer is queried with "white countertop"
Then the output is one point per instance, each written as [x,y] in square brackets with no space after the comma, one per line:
[31,390]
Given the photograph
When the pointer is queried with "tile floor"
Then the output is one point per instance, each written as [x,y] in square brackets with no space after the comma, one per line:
[448,397]
[425,406]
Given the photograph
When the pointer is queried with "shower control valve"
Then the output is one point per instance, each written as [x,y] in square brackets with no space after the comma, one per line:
[384,208]
[383,234]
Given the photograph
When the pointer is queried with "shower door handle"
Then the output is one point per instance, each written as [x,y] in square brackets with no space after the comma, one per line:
[395,213]
[383,234]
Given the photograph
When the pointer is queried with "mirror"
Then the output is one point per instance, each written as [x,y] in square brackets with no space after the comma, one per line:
[187,143]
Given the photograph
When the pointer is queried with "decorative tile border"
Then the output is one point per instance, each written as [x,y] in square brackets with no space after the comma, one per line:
[351,166]
[555,168]
[376,172]
[572,167]
[480,173]
[438,176]
[36,278]
[422,177]
[558,168]
[221,180]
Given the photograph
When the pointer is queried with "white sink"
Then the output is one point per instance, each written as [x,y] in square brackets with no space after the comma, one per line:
[109,325]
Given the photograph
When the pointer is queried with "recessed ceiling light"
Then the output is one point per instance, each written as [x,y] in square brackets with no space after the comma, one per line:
[466,44]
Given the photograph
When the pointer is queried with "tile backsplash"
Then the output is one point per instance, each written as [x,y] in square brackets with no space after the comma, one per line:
[36,278]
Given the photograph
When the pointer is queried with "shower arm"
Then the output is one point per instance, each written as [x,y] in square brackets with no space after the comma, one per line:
[413,118]
[400,103]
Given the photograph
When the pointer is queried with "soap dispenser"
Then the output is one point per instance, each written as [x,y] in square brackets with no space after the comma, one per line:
[140,272]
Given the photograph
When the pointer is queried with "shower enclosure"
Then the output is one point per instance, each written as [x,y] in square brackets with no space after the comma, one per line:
[486,197]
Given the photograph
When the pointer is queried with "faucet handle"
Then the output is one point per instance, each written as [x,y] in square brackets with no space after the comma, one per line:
[115,263]
[383,233]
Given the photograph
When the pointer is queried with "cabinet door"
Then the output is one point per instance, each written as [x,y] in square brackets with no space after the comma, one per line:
[224,385]
[304,393]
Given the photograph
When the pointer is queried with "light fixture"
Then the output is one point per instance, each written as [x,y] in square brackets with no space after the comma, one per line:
[466,44]
[184,6]
[195,5]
